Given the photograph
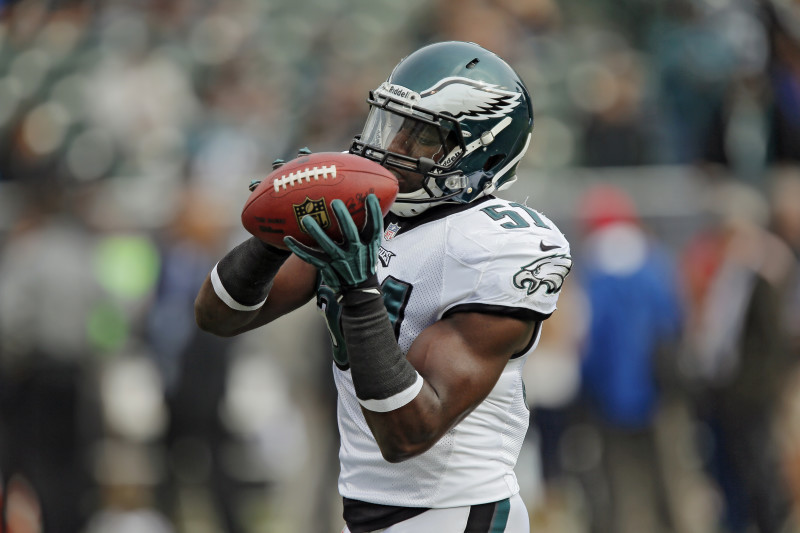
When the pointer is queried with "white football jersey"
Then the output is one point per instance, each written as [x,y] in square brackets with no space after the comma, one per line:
[492,256]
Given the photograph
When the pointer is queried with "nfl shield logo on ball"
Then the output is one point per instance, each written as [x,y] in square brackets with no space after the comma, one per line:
[314,208]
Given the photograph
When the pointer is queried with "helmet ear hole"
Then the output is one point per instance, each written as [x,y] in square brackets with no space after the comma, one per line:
[493,161]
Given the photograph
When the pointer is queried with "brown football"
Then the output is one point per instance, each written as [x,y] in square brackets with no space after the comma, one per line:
[306,186]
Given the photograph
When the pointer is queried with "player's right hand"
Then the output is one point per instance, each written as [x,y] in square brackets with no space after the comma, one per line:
[355,260]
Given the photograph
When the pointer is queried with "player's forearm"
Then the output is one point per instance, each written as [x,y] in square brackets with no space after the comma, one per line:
[400,409]
[214,316]
[409,430]
[236,289]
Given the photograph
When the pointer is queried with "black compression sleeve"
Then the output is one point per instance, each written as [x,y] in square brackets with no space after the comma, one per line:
[246,273]
[383,378]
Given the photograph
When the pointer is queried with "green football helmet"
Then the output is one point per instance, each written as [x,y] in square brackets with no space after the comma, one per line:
[470,117]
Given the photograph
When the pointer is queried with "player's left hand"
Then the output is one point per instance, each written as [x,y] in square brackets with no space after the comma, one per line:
[354,261]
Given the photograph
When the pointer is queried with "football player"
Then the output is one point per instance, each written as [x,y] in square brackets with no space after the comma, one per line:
[432,310]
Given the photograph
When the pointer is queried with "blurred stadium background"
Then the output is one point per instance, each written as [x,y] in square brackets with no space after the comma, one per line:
[130,130]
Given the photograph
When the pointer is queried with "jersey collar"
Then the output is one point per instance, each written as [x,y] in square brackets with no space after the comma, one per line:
[432,214]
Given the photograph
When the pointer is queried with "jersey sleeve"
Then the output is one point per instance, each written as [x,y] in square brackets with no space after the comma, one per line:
[514,266]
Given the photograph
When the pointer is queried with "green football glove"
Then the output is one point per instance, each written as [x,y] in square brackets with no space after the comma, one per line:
[354,261]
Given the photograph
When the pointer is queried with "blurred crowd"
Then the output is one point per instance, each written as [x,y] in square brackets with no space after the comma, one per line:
[665,392]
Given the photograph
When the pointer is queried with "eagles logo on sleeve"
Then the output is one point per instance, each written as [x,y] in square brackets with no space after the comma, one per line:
[548,273]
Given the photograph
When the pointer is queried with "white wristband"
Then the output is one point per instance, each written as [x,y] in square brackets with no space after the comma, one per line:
[397,401]
[227,298]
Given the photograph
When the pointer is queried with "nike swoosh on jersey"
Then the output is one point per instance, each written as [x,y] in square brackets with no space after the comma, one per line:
[547,247]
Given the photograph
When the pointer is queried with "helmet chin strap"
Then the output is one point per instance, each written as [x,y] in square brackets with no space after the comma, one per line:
[413,203]
[406,209]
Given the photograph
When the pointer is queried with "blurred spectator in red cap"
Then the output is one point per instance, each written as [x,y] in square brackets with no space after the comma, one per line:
[634,320]
[605,204]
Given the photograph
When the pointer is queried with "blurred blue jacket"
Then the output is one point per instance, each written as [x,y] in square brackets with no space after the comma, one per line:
[630,284]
